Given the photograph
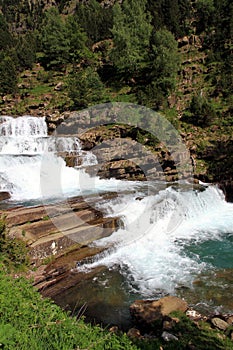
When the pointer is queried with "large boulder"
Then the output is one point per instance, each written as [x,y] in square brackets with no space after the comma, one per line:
[149,311]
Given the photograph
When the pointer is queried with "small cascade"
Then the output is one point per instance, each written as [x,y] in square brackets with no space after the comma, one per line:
[25,126]
[155,250]
[28,155]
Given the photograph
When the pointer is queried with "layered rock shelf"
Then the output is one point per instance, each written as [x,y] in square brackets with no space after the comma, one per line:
[52,230]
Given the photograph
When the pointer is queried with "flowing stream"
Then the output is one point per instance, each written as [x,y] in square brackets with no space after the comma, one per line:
[174,239]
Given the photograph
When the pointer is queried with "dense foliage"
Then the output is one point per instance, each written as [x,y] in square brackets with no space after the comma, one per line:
[130,49]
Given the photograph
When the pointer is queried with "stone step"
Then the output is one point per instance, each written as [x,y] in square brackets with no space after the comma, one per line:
[52,230]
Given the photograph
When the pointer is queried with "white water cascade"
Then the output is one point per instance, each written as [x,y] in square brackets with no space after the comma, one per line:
[156,247]
[26,148]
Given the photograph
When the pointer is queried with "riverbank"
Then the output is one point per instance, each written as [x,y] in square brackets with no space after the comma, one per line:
[43,323]
[29,321]
[39,227]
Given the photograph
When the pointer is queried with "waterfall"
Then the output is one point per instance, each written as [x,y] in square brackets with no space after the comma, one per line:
[156,248]
[25,148]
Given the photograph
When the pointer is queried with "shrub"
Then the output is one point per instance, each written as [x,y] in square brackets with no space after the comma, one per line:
[13,251]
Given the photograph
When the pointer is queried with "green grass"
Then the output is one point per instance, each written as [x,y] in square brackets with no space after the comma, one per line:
[41,89]
[29,322]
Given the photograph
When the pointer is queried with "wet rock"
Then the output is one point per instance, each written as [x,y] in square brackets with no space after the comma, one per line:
[227,188]
[219,323]
[148,311]
[52,230]
[4,195]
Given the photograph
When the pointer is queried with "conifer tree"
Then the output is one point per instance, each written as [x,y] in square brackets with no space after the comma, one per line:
[85,88]
[8,74]
[131,36]
[54,40]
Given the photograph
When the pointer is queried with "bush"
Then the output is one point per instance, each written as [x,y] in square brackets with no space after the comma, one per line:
[202,112]
[13,251]
[85,88]
[8,74]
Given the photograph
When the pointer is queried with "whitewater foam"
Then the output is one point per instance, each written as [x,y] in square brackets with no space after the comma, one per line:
[151,249]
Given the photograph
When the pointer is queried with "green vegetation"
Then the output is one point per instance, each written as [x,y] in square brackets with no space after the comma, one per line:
[201,335]
[127,47]
[131,36]
[85,88]
[127,53]
[30,322]
[13,251]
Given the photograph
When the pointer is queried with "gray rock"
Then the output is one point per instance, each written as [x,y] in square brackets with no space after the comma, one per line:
[168,336]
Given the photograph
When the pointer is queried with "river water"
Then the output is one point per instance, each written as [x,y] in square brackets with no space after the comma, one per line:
[174,239]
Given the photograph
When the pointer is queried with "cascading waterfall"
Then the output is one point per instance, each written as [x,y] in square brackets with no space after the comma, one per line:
[25,149]
[154,249]
[170,235]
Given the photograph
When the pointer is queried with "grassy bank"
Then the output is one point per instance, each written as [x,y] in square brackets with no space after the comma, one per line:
[30,322]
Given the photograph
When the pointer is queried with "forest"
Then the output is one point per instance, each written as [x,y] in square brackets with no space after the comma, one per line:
[129,51]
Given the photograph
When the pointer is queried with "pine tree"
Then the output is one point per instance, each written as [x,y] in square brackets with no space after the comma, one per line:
[162,71]
[85,88]
[95,19]
[8,74]
[131,36]
[6,39]
[78,42]
[54,40]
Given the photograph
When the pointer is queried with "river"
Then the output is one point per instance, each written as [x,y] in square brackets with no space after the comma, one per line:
[174,239]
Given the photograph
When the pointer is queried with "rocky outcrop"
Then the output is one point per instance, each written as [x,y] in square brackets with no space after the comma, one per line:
[149,311]
[122,151]
[52,230]
[227,188]
[170,319]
